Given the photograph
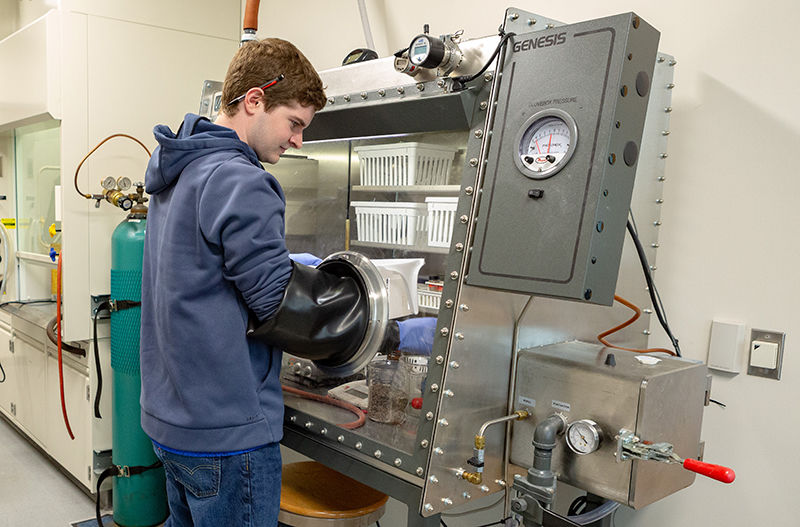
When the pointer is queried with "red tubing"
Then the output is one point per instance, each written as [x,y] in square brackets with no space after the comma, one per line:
[58,333]
[251,15]
[333,402]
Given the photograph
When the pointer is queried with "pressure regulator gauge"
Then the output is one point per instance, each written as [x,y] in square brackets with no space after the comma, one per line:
[109,183]
[426,51]
[584,436]
[546,143]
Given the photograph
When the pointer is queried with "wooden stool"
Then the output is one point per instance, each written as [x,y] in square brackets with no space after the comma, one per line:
[312,495]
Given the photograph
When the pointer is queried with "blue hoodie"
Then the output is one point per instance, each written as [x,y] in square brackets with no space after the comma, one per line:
[214,248]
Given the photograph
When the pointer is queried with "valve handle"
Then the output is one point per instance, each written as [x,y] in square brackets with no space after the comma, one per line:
[717,472]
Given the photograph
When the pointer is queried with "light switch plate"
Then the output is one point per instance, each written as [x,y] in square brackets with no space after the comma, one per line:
[762,342]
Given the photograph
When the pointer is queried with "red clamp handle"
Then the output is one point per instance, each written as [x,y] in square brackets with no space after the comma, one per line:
[717,472]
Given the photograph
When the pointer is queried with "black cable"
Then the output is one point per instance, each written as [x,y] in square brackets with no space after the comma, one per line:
[577,506]
[463,79]
[377,523]
[710,400]
[105,306]
[26,302]
[4,372]
[651,288]
[442,522]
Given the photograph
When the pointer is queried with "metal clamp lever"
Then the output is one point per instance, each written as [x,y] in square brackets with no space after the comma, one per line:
[631,447]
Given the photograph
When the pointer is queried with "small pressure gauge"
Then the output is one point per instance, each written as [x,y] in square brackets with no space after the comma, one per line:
[109,183]
[426,51]
[546,143]
[123,183]
[584,436]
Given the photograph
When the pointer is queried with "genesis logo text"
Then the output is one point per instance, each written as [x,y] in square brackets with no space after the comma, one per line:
[541,42]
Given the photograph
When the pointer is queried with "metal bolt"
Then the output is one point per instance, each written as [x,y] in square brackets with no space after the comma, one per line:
[647,311]
[440,83]
[420,86]
[473,162]
[661,59]
[359,445]
[484,488]
[665,132]
[324,431]
[484,105]
[531,21]
[668,109]
[657,223]
[428,507]
[429,416]
[443,422]
[420,471]
[378,454]
[646,331]
[398,462]
[346,98]
[478,133]
[433,479]
[293,418]
[439,359]
[672,62]
[550,26]
[438,451]
[488,77]
[500,482]
[459,247]
[363,95]
[448,303]
[331,100]
[663,155]
[424,443]
[463,307]
[382,92]
[400,89]
[454,365]
[448,393]
[444,332]
[653,267]
[654,245]
[466,495]
[447,501]
[468,191]
[463,218]
[454,275]
[661,178]
[308,424]
[513,16]
[659,201]
[434,387]
[340,439]
[460,336]
[670,85]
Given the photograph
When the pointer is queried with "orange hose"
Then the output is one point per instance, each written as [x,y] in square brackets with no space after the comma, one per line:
[251,15]
[58,332]
[333,402]
[636,314]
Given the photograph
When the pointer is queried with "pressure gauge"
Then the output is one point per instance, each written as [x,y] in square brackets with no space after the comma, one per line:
[426,51]
[546,143]
[584,436]
[109,183]
[123,183]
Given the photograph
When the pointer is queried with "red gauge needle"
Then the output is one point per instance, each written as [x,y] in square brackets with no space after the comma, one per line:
[537,146]
[549,142]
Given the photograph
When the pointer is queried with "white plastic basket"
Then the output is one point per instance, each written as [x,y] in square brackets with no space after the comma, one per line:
[429,299]
[441,215]
[404,164]
[396,223]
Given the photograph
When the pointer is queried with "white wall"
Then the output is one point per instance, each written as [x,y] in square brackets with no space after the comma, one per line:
[728,244]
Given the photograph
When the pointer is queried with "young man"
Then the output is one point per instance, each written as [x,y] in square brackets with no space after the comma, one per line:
[214,255]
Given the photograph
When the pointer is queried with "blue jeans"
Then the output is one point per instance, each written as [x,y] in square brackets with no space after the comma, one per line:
[243,490]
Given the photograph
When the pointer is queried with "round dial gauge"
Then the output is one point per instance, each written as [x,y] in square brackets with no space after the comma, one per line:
[109,183]
[584,436]
[123,183]
[546,143]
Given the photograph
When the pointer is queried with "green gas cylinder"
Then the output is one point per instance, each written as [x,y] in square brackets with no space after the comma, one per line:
[139,500]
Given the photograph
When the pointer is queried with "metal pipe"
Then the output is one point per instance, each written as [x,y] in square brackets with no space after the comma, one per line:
[476,478]
[362,9]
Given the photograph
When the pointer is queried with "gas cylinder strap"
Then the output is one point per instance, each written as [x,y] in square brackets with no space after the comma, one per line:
[120,471]
[120,305]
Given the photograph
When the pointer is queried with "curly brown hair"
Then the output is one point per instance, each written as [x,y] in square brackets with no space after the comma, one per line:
[259,61]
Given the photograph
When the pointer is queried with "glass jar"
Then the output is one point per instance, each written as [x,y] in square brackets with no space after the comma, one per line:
[387,380]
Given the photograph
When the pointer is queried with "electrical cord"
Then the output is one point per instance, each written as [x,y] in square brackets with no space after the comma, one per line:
[636,314]
[3,371]
[105,306]
[464,79]
[651,286]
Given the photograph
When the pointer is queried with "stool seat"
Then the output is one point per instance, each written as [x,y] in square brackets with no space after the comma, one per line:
[313,495]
